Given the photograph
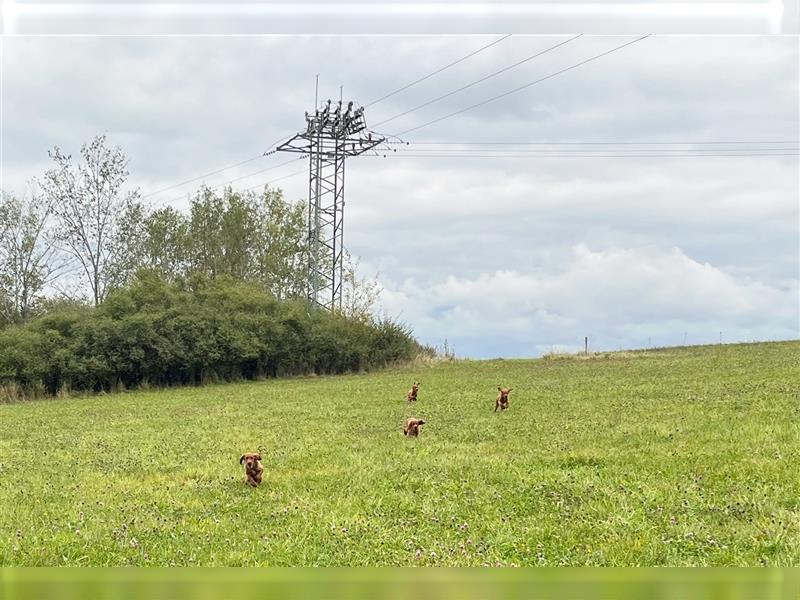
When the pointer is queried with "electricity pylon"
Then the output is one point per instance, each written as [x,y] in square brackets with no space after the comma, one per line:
[330,136]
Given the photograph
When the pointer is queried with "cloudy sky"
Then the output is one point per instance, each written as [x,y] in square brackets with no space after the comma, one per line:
[501,252]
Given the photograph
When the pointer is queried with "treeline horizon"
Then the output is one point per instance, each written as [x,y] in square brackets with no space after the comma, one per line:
[99,291]
[190,331]
[78,236]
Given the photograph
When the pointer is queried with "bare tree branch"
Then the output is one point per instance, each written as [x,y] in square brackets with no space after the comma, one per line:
[98,224]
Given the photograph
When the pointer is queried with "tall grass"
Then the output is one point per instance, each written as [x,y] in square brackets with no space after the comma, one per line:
[669,458]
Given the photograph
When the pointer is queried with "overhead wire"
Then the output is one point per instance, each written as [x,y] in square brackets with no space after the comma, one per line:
[557,143]
[437,71]
[294,174]
[224,183]
[572,149]
[477,81]
[426,156]
[522,87]
[203,176]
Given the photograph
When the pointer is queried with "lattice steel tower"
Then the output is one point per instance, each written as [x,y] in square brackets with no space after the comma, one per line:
[330,136]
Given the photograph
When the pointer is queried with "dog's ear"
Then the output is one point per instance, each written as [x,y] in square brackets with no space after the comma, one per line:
[499,389]
[257,457]
[241,460]
[509,390]
[420,422]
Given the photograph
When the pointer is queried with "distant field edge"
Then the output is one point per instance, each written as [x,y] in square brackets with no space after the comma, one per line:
[120,583]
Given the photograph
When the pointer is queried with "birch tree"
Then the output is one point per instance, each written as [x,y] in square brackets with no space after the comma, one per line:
[99,224]
[28,257]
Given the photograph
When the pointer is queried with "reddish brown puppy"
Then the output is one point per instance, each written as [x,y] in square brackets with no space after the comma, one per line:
[502,398]
[412,393]
[412,426]
[252,467]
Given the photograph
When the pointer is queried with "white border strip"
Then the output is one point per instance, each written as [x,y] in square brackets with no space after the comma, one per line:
[766,16]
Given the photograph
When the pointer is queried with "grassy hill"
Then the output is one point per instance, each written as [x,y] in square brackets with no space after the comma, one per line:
[666,457]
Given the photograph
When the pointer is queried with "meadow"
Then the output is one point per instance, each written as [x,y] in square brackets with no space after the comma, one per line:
[679,456]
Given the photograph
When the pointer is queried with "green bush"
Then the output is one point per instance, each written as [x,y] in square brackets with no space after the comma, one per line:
[190,332]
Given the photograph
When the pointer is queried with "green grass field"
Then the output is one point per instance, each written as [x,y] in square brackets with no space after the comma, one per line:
[665,457]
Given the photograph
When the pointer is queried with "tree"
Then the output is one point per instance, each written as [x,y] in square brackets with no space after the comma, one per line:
[250,237]
[222,235]
[282,258]
[100,226]
[205,243]
[165,244]
[28,261]
[359,294]
[239,232]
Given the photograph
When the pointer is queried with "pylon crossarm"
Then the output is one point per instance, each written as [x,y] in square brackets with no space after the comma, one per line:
[329,147]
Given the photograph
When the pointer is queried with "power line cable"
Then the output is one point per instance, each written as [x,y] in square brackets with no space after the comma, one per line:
[268,153]
[276,179]
[283,164]
[436,72]
[203,176]
[542,143]
[522,87]
[585,155]
[224,183]
[568,150]
[477,81]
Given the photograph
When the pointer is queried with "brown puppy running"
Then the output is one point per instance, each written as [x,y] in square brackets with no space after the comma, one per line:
[252,467]
[412,393]
[502,398]
[412,426]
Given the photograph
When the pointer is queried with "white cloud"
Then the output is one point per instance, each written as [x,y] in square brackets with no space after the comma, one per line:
[617,296]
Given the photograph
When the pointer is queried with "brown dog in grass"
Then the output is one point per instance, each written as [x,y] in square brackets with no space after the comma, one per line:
[412,426]
[502,398]
[252,467]
[412,393]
